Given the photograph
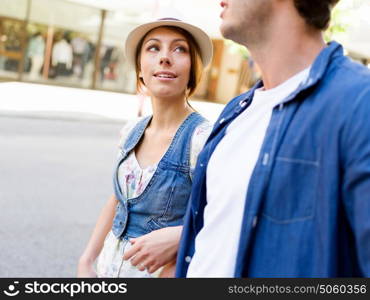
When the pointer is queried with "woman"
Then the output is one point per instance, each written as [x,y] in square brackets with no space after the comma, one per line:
[139,228]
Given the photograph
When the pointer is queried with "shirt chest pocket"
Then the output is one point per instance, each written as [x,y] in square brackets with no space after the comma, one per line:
[292,190]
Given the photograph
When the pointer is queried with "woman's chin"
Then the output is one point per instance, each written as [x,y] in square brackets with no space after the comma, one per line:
[168,95]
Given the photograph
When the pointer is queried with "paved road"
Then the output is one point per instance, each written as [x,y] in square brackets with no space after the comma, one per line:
[55,175]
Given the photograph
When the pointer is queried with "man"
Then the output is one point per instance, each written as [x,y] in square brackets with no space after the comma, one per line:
[282,187]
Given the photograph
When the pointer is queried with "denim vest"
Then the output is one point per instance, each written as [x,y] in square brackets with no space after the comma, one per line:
[163,202]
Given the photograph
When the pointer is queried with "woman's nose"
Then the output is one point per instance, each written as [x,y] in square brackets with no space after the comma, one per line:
[165,60]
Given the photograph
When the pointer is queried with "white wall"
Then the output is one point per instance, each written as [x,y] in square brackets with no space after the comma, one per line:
[13,8]
[66,15]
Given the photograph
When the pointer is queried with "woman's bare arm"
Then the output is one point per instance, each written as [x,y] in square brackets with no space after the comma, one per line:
[96,241]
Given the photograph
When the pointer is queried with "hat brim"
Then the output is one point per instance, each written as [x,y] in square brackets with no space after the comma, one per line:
[201,38]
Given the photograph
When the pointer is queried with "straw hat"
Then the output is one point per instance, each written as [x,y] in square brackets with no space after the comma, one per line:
[201,38]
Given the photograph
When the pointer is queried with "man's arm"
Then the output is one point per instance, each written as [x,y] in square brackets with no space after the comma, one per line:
[355,155]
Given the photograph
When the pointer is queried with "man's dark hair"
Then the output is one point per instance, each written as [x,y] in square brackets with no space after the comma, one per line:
[316,12]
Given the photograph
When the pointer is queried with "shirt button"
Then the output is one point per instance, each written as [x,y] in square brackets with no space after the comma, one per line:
[242,103]
[255,220]
[222,120]
[202,165]
[188,259]
[196,212]
[265,160]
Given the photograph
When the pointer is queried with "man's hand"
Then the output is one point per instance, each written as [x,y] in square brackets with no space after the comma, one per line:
[154,249]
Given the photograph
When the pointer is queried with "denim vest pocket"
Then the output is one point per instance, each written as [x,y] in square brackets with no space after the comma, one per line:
[154,225]
[292,191]
[159,220]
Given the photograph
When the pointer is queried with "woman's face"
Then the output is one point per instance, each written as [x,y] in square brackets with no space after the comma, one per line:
[165,63]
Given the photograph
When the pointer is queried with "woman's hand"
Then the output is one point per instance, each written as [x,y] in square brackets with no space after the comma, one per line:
[155,249]
[85,269]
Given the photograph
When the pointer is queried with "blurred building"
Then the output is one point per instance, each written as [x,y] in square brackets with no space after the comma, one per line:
[79,43]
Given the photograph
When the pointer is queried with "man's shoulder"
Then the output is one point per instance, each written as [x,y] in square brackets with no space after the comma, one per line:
[351,74]
[343,94]
[345,84]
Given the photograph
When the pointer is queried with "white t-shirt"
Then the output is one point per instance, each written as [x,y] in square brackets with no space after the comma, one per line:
[228,173]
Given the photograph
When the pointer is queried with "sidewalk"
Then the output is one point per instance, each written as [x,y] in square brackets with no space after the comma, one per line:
[45,101]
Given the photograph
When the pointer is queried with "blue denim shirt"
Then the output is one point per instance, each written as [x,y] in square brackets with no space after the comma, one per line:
[163,202]
[307,209]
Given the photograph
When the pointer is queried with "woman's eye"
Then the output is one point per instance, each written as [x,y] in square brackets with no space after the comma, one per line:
[181,49]
[152,48]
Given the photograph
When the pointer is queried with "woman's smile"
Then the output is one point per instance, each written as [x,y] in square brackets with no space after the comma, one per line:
[165,76]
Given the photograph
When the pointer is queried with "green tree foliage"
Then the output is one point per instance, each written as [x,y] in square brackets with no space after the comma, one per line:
[338,24]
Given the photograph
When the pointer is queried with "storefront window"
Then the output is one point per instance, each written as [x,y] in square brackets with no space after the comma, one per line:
[11,45]
[69,40]
[114,73]
[34,55]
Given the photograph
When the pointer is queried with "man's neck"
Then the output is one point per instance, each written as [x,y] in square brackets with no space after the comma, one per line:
[286,54]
